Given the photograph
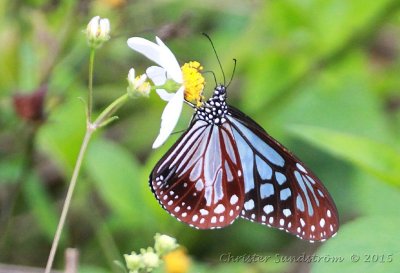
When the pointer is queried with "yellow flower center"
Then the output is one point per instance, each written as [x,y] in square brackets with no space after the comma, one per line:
[144,88]
[193,82]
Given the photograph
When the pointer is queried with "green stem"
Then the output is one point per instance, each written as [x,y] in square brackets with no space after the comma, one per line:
[68,199]
[90,94]
[111,109]
[91,128]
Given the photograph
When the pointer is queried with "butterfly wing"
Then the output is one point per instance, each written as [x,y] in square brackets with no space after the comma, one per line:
[198,180]
[279,190]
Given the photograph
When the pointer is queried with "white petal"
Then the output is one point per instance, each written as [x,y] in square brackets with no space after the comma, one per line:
[149,49]
[157,75]
[93,26]
[169,62]
[140,80]
[169,118]
[164,95]
[131,75]
[104,27]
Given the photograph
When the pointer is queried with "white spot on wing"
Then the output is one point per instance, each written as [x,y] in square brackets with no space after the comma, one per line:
[280,177]
[249,205]
[285,194]
[268,209]
[287,212]
[199,185]
[234,199]
[204,212]
[301,168]
[219,209]
[266,190]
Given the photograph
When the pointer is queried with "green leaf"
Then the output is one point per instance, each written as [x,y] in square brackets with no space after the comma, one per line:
[115,174]
[379,159]
[372,240]
[42,208]
[92,269]
[62,136]
[365,188]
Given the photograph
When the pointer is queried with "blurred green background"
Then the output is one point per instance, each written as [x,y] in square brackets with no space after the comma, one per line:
[322,76]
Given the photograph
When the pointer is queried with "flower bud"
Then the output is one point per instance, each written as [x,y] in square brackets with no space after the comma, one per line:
[98,31]
[138,86]
[133,262]
[164,244]
[150,259]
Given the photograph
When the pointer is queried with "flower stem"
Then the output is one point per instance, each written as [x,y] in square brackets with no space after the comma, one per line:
[111,109]
[68,198]
[103,119]
[90,84]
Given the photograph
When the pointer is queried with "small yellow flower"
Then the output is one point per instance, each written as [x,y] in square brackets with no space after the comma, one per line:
[193,82]
[177,261]
[137,85]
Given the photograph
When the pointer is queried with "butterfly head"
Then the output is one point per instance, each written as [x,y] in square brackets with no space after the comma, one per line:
[220,90]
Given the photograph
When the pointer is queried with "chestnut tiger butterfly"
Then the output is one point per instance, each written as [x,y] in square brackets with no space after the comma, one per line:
[226,166]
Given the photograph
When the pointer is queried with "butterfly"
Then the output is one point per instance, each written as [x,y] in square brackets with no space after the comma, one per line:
[226,166]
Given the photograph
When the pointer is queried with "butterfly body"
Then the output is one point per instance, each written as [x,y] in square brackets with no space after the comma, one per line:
[226,166]
[214,111]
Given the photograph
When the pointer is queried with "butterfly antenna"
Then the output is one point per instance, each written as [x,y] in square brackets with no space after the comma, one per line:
[212,72]
[233,72]
[216,55]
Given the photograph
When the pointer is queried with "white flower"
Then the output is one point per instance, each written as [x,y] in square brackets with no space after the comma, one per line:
[137,85]
[150,259]
[164,244]
[168,69]
[133,261]
[98,31]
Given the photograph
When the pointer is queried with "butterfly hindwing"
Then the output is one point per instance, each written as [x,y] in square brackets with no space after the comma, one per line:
[199,180]
[279,190]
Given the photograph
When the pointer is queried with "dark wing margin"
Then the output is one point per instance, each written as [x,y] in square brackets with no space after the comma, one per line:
[199,180]
[279,190]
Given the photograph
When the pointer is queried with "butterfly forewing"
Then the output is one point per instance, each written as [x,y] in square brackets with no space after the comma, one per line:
[279,190]
[199,180]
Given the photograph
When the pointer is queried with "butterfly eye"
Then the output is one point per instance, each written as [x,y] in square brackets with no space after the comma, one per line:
[226,166]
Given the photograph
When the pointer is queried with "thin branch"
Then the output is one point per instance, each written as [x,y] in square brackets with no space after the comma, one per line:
[68,200]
